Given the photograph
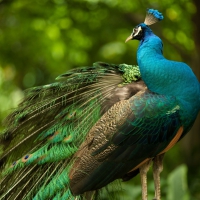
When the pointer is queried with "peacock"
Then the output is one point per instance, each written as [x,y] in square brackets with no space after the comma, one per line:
[69,139]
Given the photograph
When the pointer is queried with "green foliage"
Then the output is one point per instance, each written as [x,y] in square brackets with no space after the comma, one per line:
[10,93]
[177,184]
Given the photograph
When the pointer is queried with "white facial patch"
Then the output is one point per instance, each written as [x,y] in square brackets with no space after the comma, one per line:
[137,32]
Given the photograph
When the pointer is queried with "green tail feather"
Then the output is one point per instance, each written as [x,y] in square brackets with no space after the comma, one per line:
[47,128]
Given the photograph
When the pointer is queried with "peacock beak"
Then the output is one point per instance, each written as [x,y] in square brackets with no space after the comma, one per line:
[129,38]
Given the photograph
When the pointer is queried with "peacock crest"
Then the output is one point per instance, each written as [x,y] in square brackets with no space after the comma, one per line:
[152,17]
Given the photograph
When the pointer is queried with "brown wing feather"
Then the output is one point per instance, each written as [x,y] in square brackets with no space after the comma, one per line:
[128,134]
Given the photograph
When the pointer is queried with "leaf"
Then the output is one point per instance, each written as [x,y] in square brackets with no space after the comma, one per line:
[177,184]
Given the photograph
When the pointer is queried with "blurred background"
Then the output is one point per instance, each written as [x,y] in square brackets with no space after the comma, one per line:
[40,39]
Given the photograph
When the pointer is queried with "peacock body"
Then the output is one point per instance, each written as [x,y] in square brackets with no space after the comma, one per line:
[96,124]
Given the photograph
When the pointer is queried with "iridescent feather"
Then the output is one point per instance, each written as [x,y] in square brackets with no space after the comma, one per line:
[50,124]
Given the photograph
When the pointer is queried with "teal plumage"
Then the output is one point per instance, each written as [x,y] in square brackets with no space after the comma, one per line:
[96,124]
[169,78]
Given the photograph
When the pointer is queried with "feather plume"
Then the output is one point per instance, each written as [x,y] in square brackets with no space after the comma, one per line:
[152,17]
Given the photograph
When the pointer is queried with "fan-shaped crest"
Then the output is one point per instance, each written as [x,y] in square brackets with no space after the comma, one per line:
[152,17]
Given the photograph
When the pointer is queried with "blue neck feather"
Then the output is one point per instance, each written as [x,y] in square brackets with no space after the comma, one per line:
[164,76]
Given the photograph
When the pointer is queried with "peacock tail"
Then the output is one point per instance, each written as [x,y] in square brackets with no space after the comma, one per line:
[51,123]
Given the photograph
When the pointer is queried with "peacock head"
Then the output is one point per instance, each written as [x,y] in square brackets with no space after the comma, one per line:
[140,30]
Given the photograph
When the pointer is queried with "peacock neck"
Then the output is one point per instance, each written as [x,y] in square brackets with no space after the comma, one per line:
[166,77]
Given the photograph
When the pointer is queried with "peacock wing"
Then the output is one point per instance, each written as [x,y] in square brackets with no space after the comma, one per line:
[129,133]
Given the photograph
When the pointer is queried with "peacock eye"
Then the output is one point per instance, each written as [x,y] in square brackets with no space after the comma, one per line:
[14,163]
[26,157]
